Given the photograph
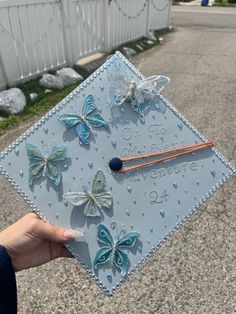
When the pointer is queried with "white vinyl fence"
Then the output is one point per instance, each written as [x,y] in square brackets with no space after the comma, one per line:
[41,35]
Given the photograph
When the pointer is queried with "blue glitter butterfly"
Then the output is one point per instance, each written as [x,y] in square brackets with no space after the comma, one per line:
[84,121]
[112,250]
[43,165]
[141,95]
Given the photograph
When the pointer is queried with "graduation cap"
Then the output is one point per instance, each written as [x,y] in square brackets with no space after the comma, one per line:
[118,161]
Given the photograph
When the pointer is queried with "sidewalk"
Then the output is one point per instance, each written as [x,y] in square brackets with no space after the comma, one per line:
[196,2]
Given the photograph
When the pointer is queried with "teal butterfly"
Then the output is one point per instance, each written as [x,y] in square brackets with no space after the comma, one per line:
[83,122]
[112,250]
[44,165]
[94,200]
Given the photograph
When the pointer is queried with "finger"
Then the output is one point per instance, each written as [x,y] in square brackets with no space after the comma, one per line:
[53,233]
[58,250]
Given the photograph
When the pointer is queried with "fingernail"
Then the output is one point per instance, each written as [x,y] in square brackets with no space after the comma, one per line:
[73,234]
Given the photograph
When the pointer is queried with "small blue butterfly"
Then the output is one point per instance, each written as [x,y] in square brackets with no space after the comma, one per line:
[43,165]
[84,121]
[112,249]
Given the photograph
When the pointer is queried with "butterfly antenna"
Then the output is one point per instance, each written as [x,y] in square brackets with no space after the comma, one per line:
[122,232]
[113,227]
[45,148]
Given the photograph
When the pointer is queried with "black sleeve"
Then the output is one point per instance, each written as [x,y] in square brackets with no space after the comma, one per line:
[8,302]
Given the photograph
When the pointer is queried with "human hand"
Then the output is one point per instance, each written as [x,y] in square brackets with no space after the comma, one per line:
[32,242]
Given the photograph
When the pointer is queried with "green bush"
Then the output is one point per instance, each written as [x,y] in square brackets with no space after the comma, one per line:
[182,0]
[225,2]
[221,1]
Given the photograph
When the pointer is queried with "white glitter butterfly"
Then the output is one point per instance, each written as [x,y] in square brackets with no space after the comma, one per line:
[140,94]
[94,200]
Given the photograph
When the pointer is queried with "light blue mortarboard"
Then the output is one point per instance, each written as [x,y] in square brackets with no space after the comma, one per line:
[62,167]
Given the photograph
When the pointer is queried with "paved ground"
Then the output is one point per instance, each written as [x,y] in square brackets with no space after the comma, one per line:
[195,271]
[196,2]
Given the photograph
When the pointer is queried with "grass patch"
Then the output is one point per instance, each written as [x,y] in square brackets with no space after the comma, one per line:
[224,4]
[43,103]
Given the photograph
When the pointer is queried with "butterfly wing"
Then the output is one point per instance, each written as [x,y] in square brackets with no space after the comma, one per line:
[153,83]
[79,198]
[96,120]
[83,132]
[104,236]
[89,105]
[58,153]
[37,160]
[140,105]
[99,182]
[76,198]
[117,77]
[69,120]
[128,240]
[103,200]
[35,171]
[53,173]
[100,198]
[91,208]
[102,256]
[146,92]
[121,261]
[120,95]
[116,74]
[121,258]
[34,153]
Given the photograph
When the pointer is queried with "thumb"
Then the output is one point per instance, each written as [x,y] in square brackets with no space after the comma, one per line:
[53,233]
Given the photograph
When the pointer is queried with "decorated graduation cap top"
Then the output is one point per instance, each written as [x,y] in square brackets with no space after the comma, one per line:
[117,161]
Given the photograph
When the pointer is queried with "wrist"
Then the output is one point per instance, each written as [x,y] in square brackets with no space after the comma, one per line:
[4,247]
[5,242]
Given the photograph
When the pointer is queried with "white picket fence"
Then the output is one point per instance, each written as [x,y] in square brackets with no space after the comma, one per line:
[41,35]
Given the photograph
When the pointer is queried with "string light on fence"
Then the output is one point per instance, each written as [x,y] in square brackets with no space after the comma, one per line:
[160,9]
[80,14]
[131,16]
[33,43]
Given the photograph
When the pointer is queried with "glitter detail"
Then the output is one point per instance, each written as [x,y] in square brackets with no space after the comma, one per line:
[94,200]
[162,213]
[213,173]
[120,260]
[113,142]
